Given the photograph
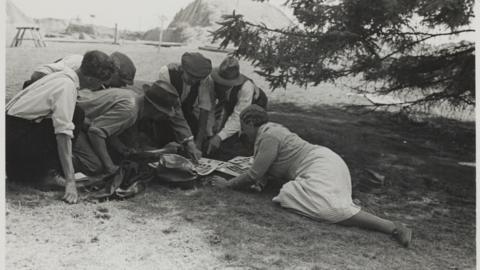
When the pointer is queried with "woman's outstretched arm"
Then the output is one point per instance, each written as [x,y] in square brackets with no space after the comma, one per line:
[266,153]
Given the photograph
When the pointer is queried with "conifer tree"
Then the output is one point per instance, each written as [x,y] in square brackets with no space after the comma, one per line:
[385,42]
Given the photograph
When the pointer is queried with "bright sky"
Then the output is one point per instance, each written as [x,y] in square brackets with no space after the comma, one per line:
[129,14]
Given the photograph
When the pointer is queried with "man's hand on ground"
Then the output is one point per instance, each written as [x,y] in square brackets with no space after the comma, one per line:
[71,195]
[193,151]
[213,144]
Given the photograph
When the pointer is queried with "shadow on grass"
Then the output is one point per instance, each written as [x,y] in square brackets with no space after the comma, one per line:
[425,188]
[389,143]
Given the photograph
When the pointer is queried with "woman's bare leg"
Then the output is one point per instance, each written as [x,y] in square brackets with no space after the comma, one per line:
[369,221]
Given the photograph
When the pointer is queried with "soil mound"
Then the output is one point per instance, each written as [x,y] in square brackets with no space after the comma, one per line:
[193,23]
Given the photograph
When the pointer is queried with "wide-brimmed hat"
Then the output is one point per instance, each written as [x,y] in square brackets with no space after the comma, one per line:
[228,73]
[196,65]
[162,96]
[126,68]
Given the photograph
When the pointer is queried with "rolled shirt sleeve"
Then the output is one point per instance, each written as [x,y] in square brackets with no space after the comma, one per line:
[63,106]
[53,96]
[245,98]
[265,155]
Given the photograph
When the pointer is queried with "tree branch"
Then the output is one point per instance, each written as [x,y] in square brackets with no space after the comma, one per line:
[438,34]
[410,45]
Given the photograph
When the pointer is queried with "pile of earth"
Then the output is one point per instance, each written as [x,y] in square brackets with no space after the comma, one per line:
[193,23]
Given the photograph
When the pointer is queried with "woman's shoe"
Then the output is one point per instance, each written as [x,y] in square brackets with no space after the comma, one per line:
[402,234]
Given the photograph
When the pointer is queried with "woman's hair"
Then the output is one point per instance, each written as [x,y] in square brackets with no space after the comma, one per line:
[98,65]
[254,115]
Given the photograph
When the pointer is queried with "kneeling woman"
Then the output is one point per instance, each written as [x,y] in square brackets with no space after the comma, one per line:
[320,186]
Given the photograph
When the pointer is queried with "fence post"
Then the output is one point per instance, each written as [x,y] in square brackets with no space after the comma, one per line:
[115,37]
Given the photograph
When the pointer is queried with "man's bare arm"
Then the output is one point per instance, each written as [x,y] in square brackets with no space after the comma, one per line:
[64,148]
[100,148]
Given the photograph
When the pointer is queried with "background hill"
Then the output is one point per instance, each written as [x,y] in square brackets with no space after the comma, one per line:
[193,23]
[190,25]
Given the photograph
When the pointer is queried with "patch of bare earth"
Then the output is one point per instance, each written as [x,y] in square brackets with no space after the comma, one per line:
[205,228]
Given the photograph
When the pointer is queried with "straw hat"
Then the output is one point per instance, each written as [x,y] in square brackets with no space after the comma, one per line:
[228,73]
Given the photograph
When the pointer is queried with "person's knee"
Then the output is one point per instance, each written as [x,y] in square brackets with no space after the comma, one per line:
[95,168]
[93,165]
[84,158]
[89,166]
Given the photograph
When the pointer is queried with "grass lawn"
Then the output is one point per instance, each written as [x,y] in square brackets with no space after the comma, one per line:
[205,228]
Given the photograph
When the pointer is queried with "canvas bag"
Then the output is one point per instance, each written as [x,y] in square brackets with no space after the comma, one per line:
[175,170]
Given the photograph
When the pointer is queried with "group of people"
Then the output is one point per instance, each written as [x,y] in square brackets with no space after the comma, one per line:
[84,113]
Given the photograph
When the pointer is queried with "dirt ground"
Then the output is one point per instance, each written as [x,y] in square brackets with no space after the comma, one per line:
[205,228]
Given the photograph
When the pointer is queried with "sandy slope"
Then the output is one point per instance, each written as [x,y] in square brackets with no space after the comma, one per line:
[193,23]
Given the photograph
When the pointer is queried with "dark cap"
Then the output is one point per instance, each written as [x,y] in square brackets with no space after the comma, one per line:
[97,64]
[196,65]
[126,68]
[162,96]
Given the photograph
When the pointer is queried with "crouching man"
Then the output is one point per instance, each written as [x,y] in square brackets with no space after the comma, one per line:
[108,113]
[42,120]
[191,80]
[125,121]
[234,92]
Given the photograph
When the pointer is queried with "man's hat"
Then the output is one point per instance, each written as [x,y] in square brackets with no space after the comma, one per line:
[162,96]
[228,73]
[196,65]
[125,66]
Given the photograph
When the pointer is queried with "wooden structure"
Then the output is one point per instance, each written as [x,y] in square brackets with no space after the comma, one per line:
[216,49]
[34,33]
